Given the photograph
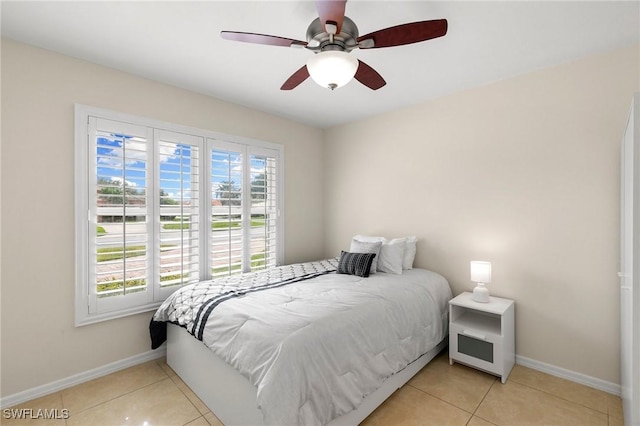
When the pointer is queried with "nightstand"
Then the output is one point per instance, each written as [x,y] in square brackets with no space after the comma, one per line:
[482,335]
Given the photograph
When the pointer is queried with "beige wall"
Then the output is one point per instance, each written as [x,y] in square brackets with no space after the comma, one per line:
[39,341]
[523,173]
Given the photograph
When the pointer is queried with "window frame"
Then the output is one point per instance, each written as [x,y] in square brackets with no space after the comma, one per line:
[84,200]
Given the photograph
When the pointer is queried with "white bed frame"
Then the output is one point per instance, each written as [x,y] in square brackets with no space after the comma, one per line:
[233,399]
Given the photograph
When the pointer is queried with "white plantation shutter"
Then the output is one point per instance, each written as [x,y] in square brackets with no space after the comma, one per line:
[226,183]
[178,206]
[119,183]
[264,208]
[245,196]
[159,206]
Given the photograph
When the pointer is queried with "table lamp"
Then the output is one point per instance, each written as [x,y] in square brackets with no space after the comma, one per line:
[480,274]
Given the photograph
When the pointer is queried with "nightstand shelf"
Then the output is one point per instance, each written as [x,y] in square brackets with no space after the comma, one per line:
[480,321]
[482,335]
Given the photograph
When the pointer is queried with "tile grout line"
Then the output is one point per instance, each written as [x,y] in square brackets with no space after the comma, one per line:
[145,386]
[442,400]
[189,399]
[191,421]
[455,406]
[118,396]
[495,380]
[438,398]
[186,396]
[562,398]
[66,423]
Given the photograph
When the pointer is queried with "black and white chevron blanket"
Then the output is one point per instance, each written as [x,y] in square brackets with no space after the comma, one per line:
[191,306]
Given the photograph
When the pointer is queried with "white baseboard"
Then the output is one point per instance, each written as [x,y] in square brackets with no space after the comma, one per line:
[572,376]
[85,376]
[76,379]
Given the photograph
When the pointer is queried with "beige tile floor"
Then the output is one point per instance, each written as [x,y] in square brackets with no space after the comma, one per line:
[152,394]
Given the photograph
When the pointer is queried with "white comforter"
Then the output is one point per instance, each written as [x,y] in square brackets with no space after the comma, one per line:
[315,348]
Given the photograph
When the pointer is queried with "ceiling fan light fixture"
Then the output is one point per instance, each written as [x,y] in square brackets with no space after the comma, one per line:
[332,68]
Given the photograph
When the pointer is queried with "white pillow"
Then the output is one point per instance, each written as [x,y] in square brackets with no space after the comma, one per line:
[358,246]
[409,248]
[392,256]
[409,251]
[369,239]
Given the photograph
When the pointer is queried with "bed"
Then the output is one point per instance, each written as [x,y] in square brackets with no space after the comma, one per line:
[302,344]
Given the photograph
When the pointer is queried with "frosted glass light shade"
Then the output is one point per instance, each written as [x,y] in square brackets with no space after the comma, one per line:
[480,272]
[332,68]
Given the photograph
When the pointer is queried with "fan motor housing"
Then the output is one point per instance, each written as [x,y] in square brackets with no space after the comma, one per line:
[318,38]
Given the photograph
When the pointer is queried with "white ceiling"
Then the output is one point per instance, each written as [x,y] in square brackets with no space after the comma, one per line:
[179,43]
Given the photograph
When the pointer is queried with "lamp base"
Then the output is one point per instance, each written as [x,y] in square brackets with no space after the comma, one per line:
[481,293]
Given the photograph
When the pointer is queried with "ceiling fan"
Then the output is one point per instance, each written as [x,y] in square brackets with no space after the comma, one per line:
[332,36]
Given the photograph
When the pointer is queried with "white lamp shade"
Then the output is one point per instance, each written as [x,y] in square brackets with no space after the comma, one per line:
[480,272]
[332,68]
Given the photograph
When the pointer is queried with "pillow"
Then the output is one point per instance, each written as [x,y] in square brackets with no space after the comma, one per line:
[409,251]
[392,256]
[358,246]
[355,263]
[369,239]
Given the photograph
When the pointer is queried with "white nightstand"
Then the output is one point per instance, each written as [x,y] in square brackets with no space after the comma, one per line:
[482,335]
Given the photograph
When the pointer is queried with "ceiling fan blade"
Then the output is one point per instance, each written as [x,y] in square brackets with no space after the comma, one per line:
[331,11]
[296,78]
[413,32]
[262,39]
[368,76]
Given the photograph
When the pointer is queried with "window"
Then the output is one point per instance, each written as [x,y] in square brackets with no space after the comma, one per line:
[159,206]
